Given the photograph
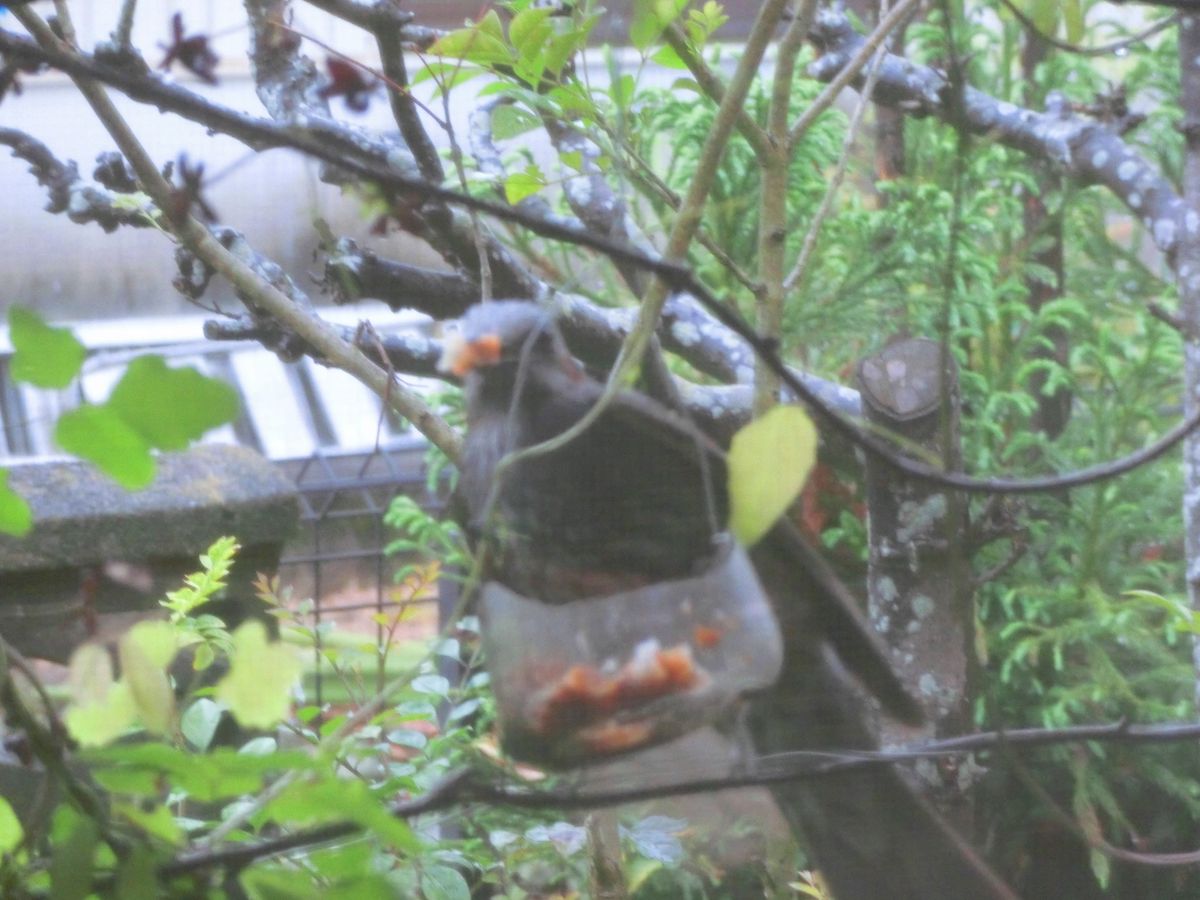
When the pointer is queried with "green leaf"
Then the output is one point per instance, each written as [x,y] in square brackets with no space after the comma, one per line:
[444,883]
[157,640]
[481,43]
[562,47]
[769,461]
[336,799]
[529,29]
[510,121]
[71,864]
[257,689]
[645,28]
[1073,13]
[168,407]
[414,740]
[136,877]
[204,657]
[99,435]
[438,685]
[668,58]
[656,838]
[520,185]
[650,17]
[11,832]
[44,356]
[276,883]
[16,518]
[101,709]
[199,723]
[491,26]
[90,675]
[157,821]
[343,861]
[363,887]
[147,680]
[1044,14]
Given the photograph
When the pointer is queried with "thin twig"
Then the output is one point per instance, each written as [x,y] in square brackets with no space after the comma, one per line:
[850,71]
[1103,49]
[711,84]
[464,786]
[795,277]
[121,35]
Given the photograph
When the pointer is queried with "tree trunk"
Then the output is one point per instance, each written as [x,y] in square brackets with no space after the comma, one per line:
[918,575]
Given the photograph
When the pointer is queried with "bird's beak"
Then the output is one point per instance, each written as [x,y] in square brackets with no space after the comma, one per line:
[460,356]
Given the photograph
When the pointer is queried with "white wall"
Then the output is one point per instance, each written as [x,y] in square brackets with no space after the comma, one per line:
[75,271]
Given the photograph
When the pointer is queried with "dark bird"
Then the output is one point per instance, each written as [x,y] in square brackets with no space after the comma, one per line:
[631,501]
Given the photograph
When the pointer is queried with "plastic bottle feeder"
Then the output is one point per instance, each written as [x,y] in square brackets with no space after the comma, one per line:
[582,681]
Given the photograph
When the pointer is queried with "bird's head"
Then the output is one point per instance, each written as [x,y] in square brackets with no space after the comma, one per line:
[497,332]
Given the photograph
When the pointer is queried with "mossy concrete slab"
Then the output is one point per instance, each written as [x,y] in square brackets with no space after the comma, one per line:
[81,517]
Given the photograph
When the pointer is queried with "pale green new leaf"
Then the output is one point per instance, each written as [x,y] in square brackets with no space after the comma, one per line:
[769,461]
[11,832]
[257,689]
[169,407]
[44,356]
[99,435]
[98,724]
[520,185]
[141,651]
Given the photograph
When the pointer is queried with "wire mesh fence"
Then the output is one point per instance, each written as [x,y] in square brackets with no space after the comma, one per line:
[337,565]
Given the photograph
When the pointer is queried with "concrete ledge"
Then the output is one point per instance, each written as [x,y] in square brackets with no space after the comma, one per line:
[82,517]
[97,550]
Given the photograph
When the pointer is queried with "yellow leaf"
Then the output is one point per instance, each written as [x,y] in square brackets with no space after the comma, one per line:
[157,640]
[100,723]
[769,461]
[91,675]
[147,679]
[257,689]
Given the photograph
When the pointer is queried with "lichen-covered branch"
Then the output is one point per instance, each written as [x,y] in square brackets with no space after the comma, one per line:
[70,194]
[1086,150]
[352,273]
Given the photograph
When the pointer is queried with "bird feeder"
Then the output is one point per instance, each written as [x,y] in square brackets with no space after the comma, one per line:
[579,682]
